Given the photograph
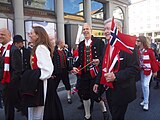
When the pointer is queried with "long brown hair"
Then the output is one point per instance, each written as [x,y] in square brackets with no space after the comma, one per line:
[43,39]
[144,41]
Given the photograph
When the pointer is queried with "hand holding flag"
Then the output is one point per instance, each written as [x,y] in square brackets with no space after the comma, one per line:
[119,42]
[93,68]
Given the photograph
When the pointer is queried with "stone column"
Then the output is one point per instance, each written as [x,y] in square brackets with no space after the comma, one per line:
[108,10]
[87,12]
[60,19]
[18,17]
[126,21]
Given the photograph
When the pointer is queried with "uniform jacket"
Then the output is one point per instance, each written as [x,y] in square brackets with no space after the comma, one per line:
[57,62]
[16,67]
[97,50]
[26,58]
[124,88]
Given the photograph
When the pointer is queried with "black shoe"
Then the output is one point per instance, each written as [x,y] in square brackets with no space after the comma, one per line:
[69,100]
[88,118]
[105,115]
[81,107]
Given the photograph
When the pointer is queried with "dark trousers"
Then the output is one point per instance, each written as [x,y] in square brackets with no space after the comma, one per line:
[118,111]
[85,88]
[1,106]
[8,104]
[1,88]
[65,79]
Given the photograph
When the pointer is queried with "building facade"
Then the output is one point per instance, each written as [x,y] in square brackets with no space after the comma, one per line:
[63,19]
[144,18]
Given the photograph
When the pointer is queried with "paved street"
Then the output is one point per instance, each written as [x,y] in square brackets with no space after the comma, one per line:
[134,112]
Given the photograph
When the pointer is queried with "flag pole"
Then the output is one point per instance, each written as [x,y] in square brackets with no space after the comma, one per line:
[108,61]
[85,66]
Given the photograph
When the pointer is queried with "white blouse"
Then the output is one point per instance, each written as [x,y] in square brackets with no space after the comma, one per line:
[44,62]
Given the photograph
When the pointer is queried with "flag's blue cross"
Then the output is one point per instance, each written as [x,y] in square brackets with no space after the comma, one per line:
[114,36]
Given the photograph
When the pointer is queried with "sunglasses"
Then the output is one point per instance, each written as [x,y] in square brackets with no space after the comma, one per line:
[138,41]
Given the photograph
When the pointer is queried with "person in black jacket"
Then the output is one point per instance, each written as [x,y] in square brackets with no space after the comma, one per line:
[89,53]
[61,68]
[25,52]
[123,78]
[11,73]
[25,56]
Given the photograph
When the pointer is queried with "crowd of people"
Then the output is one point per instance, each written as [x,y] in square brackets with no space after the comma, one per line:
[30,76]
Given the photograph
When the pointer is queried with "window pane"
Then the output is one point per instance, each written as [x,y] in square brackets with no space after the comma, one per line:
[48,26]
[117,13]
[73,7]
[97,10]
[3,23]
[5,1]
[10,25]
[6,23]
[28,27]
[41,4]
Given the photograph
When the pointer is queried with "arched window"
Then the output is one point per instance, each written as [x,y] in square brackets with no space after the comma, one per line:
[118,13]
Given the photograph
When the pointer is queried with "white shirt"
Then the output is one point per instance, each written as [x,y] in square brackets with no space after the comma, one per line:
[88,42]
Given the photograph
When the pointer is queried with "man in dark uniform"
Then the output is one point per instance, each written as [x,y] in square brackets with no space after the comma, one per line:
[12,69]
[89,51]
[123,77]
[25,56]
[25,52]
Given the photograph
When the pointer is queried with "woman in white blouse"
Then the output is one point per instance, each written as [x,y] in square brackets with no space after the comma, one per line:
[41,59]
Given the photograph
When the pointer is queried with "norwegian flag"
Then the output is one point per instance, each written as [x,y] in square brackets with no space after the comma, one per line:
[93,70]
[123,42]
